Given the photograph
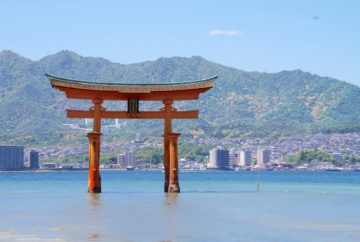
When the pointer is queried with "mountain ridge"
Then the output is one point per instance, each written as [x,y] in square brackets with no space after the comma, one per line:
[66,53]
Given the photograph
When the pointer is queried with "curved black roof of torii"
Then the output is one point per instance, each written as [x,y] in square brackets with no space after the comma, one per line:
[122,91]
[62,79]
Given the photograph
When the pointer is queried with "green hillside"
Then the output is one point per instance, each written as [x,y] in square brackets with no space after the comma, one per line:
[241,104]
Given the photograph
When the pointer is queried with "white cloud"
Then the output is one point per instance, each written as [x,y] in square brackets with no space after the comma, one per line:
[224,32]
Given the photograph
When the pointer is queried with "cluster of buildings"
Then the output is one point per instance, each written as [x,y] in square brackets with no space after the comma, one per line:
[13,158]
[220,158]
[247,159]
[337,144]
[126,160]
[250,153]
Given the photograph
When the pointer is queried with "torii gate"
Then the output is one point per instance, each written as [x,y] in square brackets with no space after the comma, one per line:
[133,93]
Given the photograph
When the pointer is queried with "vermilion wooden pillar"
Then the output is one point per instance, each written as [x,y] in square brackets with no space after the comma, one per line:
[167,130]
[94,178]
[94,181]
[174,165]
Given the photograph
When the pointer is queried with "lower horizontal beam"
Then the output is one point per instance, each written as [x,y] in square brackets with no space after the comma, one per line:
[193,114]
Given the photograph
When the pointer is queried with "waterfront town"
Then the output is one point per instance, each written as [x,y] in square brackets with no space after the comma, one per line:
[236,154]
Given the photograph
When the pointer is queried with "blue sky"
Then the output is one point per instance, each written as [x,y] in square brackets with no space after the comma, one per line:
[321,37]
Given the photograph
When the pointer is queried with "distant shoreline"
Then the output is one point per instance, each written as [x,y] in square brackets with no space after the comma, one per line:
[181,170]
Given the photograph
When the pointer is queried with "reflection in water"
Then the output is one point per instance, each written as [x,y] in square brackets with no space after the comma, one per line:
[171,200]
[95,206]
[170,215]
[95,200]
[93,237]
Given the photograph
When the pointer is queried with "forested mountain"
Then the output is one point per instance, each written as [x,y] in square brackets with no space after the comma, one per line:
[241,103]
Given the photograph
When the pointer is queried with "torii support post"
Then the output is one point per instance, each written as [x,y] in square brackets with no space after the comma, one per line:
[167,130]
[94,178]
[174,186]
[94,181]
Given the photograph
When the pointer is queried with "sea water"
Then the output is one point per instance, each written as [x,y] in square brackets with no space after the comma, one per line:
[212,206]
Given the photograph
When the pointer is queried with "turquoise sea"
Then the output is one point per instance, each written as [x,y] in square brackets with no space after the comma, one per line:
[213,206]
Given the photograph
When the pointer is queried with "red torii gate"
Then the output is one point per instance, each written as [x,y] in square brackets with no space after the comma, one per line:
[133,93]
